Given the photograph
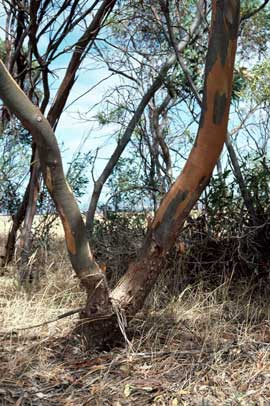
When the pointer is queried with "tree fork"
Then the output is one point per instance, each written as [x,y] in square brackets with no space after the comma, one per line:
[134,286]
[130,293]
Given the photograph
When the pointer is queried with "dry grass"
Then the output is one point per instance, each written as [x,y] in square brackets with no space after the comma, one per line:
[201,346]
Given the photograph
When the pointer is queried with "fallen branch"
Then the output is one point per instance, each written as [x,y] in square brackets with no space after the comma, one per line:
[61,316]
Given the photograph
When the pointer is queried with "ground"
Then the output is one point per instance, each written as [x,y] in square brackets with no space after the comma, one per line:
[199,344]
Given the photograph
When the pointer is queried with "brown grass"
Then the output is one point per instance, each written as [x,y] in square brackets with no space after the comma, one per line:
[204,347]
[193,344]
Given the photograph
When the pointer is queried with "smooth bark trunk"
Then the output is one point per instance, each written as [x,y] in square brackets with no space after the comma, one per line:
[128,297]
[133,288]
[28,208]
[247,198]
[89,273]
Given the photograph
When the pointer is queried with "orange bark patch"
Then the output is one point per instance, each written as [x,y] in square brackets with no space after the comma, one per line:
[70,240]
[48,179]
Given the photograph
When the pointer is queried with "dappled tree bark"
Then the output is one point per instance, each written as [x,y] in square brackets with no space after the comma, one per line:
[131,291]
[89,273]
[231,151]
[247,198]
[102,310]
[129,295]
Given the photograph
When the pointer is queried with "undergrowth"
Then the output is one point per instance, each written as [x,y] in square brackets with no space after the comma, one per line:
[202,338]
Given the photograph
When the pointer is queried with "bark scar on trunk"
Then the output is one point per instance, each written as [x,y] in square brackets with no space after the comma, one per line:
[162,226]
[70,240]
[220,104]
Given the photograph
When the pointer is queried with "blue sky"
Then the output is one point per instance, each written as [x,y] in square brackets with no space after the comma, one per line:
[74,131]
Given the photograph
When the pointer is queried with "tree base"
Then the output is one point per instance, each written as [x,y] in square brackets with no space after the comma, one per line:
[100,333]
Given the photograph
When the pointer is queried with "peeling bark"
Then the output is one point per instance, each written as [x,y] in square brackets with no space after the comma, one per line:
[131,291]
[232,154]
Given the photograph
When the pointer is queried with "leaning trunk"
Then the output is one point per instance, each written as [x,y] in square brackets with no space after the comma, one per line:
[131,291]
[129,295]
[28,210]
[87,270]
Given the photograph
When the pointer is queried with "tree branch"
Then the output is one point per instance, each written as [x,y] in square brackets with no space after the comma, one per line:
[252,13]
[122,143]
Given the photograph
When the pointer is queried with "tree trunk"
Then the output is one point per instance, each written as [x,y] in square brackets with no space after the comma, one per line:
[133,288]
[247,198]
[131,291]
[17,222]
[28,208]
[231,151]
[24,242]
[89,273]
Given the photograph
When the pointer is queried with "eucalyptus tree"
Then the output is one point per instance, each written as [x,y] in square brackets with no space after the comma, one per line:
[253,14]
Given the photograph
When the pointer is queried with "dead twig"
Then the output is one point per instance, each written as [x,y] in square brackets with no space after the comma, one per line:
[61,316]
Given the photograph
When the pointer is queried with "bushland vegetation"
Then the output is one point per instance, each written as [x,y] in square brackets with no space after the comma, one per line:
[158,292]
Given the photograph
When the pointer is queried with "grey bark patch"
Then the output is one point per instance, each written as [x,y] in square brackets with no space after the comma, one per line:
[164,229]
[225,29]
[219,108]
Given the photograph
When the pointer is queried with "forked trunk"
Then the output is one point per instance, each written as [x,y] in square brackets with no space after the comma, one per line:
[129,295]
[127,298]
